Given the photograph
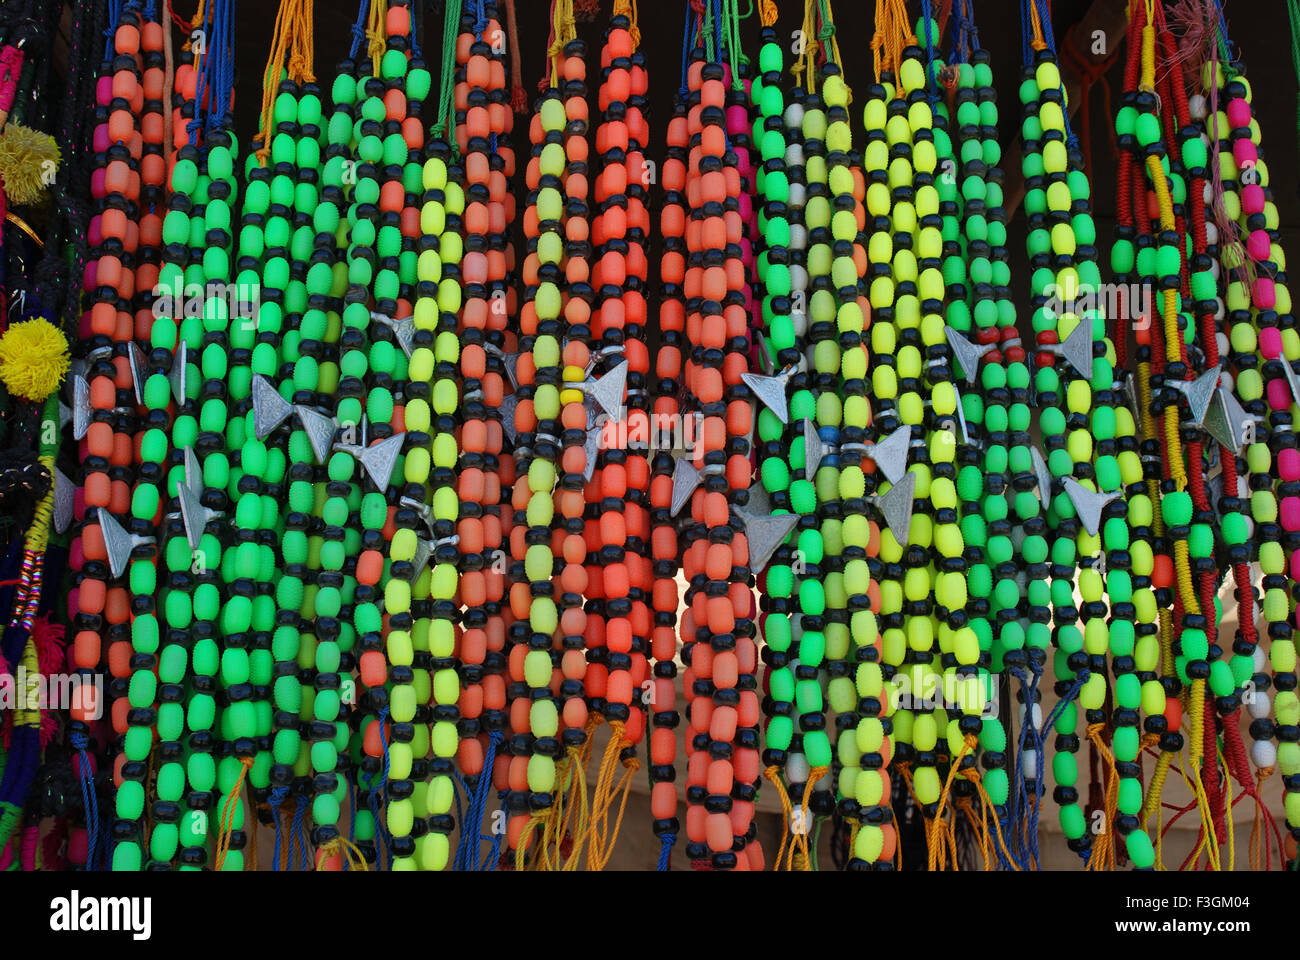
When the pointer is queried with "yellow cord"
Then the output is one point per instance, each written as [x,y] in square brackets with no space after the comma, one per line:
[351,852]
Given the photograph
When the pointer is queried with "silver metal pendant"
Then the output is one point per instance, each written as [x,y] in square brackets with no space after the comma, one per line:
[1089,505]
[320,431]
[685,479]
[269,408]
[771,391]
[890,454]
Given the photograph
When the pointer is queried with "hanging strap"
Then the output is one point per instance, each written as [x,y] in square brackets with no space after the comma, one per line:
[292,41]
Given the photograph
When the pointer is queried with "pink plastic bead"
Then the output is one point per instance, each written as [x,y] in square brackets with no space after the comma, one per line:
[104,90]
[1252,198]
[1264,294]
[1244,153]
[1238,112]
[1270,342]
[1288,464]
[1289,510]
[1257,244]
[1279,395]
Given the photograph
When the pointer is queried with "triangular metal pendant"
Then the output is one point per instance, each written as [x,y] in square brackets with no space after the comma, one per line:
[511,362]
[1077,349]
[194,515]
[771,391]
[1131,395]
[423,551]
[890,454]
[180,364]
[422,510]
[685,479]
[1087,504]
[765,533]
[1291,378]
[80,407]
[1228,422]
[607,392]
[896,507]
[507,409]
[118,544]
[379,459]
[967,354]
[1042,474]
[193,471]
[269,408]
[65,494]
[139,370]
[591,448]
[320,431]
[961,418]
[1199,392]
[404,334]
[814,449]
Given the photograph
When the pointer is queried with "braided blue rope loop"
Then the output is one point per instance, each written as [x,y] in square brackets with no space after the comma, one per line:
[415,39]
[666,850]
[276,801]
[359,29]
[928,24]
[300,834]
[495,839]
[965,35]
[687,33]
[89,801]
[114,15]
[374,787]
[471,835]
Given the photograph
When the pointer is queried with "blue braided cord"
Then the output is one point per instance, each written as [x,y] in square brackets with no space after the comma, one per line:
[359,29]
[717,29]
[114,15]
[471,836]
[276,800]
[300,833]
[666,851]
[89,801]
[929,50]
[151,9]
[480,16]
[687,33]
[1019,795]
[415,39]
[459,787]
[374,787]
[965,34]
[495,838]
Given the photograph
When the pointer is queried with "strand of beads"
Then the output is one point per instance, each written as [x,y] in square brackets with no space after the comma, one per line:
[900,163]
[774,438]
[404,750]
[104,426]
[1194,619]
[482,117]
[142,41]
[967,683]
[1051,192]
[431,411]
[668,409]
[537,451]
[182,238]
[619,578]
[1267,298]
[269,245]
[996,488]
[199,430]
[1240,389]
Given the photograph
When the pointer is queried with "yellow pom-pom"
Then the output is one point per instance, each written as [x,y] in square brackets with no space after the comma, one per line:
[33,359]
[28,162]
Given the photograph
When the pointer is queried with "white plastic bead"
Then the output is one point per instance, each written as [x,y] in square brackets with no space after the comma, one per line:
[1260,705]
[1263,753]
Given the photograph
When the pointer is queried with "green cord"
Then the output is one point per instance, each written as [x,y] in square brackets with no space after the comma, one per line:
[1293,14]
[450,33]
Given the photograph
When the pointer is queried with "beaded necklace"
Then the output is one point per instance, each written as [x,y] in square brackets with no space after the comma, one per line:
[1253,267]
[431,409]
[668,409]
[619,579]
[194,601]
[719,650]
[996,478]
[1053,189]
[783,745]
[534,716]
[481,116]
